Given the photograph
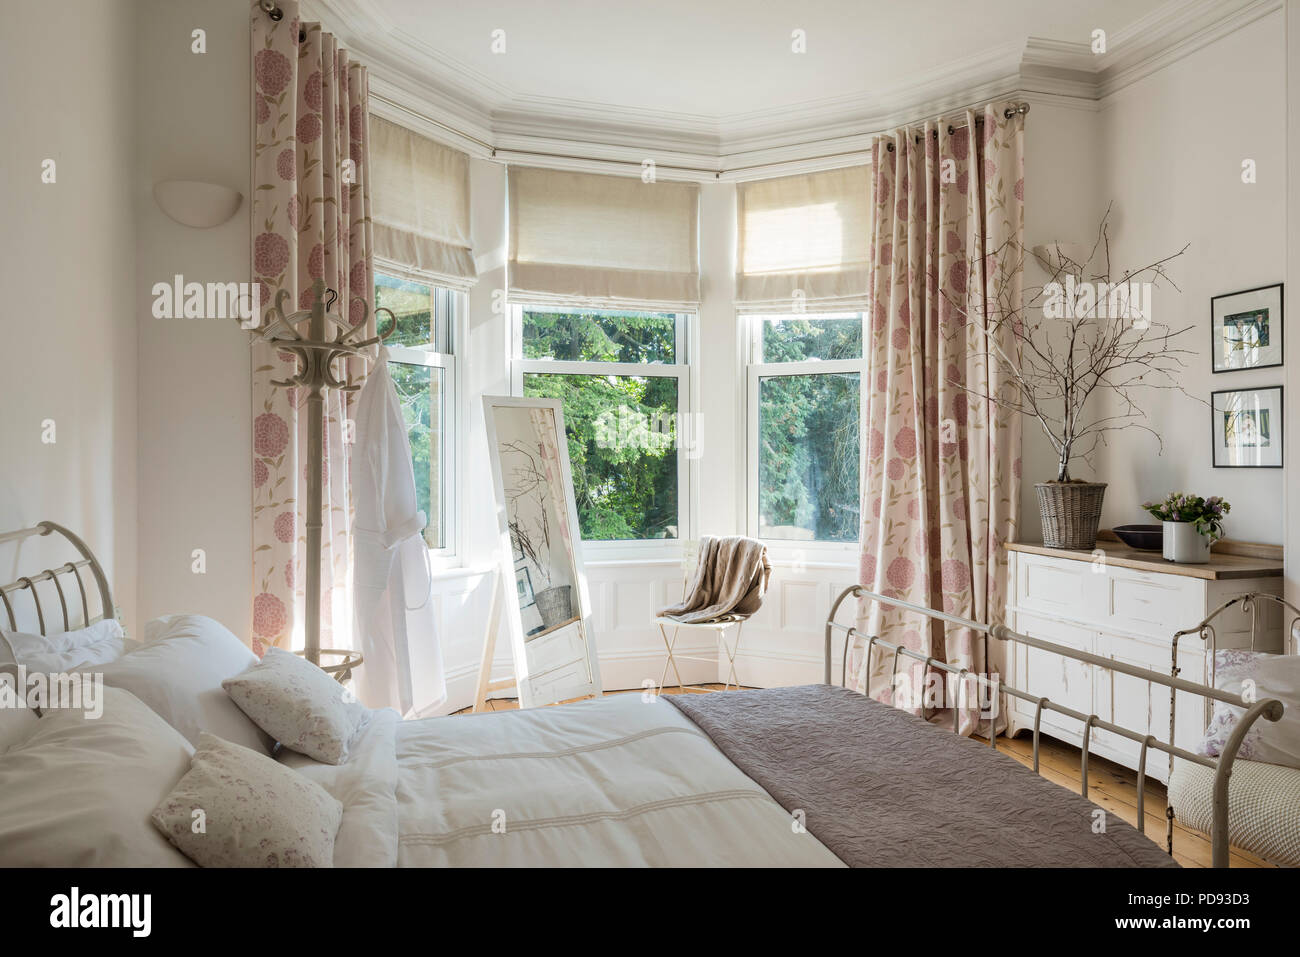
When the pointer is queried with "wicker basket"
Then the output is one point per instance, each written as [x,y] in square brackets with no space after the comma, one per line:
[1071,512]
[555,605]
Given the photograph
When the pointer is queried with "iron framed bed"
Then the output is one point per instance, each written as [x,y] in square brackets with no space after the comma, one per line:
[71,568]
[1268,708]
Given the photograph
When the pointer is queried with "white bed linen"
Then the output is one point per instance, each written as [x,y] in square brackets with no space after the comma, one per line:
[615,781]
[609,782]
[366,785]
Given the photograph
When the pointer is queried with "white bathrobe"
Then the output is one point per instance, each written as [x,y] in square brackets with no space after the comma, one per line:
[394,624]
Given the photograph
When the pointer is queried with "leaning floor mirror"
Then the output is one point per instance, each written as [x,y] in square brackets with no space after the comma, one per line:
[548,610]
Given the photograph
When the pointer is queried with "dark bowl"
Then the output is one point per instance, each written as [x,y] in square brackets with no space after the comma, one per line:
[1147,538]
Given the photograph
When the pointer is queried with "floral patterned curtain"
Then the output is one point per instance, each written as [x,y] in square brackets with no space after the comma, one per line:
[941,470]
[310,220]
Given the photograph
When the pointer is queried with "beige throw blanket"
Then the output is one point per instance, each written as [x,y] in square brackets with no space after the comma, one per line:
[729,581]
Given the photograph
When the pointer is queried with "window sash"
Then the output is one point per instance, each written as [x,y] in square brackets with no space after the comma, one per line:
[626,549]
[756,371]
[446,311]
[447,485]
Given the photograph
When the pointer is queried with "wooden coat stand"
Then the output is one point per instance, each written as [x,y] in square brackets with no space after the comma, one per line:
[329,338]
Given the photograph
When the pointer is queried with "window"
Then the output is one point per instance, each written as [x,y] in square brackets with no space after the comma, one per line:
[422,362]
[622,377]
[804,410]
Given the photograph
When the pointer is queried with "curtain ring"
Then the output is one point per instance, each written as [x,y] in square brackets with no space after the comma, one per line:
[950,130]
[889,147]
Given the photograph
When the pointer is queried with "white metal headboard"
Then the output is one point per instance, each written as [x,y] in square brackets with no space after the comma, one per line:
[71,569]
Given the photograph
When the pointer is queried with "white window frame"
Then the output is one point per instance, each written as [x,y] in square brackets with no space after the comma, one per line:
[449,304]
[630,550]
[812,553]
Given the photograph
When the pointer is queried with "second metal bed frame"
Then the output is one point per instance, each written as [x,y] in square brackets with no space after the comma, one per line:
[1269,708]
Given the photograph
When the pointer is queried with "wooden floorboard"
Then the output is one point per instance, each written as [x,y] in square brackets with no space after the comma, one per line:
[1111,786]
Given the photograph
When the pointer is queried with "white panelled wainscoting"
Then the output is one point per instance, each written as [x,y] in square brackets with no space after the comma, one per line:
[781,645]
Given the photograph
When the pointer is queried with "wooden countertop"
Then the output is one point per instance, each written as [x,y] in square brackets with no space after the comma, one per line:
[1223,564]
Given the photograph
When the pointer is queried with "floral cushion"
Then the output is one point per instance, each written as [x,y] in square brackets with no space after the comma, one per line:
[1256,675]
[237,808]
[298,704]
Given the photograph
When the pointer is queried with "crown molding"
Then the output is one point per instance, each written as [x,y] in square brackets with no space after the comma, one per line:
[434,93]
[1150,44]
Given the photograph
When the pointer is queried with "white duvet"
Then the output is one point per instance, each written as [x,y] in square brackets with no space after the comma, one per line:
[615,781]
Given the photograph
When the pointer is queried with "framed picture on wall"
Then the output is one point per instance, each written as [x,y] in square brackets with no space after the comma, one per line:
[1246,329]
[524,587]
[1246,428]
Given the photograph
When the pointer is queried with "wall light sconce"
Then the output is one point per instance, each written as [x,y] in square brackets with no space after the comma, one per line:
[200,205]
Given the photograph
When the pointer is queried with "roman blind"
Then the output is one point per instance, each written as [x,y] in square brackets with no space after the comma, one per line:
[801,241]
[594,240]
[420,205]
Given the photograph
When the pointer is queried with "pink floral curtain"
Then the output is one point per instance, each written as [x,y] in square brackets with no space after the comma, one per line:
[310,220]
[941,472]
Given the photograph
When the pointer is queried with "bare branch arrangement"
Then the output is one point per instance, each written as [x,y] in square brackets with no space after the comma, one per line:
[1079,334]
[528,481]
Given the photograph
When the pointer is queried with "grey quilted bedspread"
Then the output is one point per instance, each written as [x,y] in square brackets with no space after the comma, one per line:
[883,788]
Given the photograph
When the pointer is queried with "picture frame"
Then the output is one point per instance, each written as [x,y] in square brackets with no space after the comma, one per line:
[1246,428]
[524,587]
[1246,329]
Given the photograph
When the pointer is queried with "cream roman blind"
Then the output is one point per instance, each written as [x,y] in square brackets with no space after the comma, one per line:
[801,241]
[593,240]
[420,205]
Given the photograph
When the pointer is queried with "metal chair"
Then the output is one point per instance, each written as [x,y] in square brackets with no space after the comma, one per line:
[720,632]
[720,627]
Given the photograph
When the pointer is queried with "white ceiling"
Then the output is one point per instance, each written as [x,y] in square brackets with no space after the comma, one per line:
[715,83]
[721,59]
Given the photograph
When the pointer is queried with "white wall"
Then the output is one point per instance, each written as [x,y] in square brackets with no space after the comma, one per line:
[1062,202]
[1170,150]
[195,395]
[67,329]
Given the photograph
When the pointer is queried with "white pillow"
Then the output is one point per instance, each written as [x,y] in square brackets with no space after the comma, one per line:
[1272,676]
[255,812]
[101,642]
[79,791]
[298,704]
[178,672]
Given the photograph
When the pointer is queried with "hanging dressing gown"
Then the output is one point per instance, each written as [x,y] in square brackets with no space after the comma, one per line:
[394,627]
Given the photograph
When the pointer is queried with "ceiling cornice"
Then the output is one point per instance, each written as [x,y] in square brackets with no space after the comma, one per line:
[436,94]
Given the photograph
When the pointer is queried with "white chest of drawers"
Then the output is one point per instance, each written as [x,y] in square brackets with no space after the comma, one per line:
[1127,608]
